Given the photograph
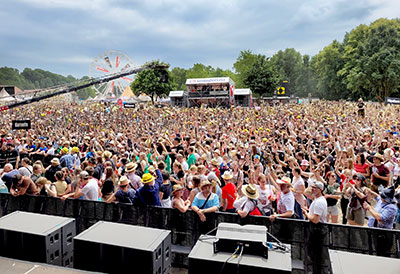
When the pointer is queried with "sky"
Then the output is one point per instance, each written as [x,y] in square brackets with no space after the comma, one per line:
[65,36]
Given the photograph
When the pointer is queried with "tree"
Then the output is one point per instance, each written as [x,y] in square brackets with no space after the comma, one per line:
[150,82]
[262,79]
[242,66]
[372,56]
[326,65]
[178,76]
[306,81]
[288,64]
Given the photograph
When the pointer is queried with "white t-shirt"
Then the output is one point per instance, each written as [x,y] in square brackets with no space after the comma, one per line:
[320,207]
[91,190]
[244,204]
[263,200]
[286,202]
[298,196]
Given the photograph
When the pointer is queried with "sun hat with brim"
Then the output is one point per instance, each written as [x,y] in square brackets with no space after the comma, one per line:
[55,161]
[227,175]
[217,151]
[214,162]
[84,175]
[387,195]
[147,178]
[123,181]
[176,188]
[250,191]
[107,154]
[131,167]
[284,181]
[379,156]
[205,183]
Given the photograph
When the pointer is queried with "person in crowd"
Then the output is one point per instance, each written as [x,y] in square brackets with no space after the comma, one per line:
[266,195]
[165,190]
[247,204]
[332,198]
[135,181]
[318,210]
[60,184]
[46,188]
[148,194]
[358,195]
[52,169]
[229,193]
[26,168]
[380,174]
[7,174]
[205,201]
[22,185]
[384,214]
[286,199]
[177,200]
[124,194]
[67,160]
[88,188]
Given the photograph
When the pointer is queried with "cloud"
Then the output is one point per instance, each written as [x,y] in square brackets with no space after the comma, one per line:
[61,35]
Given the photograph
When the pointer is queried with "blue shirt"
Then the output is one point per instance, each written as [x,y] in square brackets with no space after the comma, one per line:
[388,213]
[147,195]
[67,160]
[200,199]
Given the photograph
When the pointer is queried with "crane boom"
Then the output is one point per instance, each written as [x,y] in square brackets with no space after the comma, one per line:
[84,84]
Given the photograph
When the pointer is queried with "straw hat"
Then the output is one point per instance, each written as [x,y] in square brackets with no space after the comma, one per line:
[147,178]
[214,162]
[285,181]
[250,191]
[227,175]
[176,188]
[123,181]
[379,156]
[55,161]
[107,154]
[131,167]
[205,183]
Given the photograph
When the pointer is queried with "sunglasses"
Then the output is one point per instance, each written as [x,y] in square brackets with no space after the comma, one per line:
[123,186]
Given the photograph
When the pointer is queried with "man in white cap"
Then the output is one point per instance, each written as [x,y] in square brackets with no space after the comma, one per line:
[286,199]
[319,207]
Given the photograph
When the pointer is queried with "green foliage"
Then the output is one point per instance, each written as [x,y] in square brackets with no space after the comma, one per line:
[242,66]
[262,78]
[178,76]
[326,65]
[11,76]
[148,81]
[372,60]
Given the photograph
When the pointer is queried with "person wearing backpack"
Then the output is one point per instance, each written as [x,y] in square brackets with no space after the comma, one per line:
[205,201]
[247,205]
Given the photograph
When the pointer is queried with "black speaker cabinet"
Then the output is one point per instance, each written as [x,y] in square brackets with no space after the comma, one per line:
[120,248]
[37,238]
[202,259]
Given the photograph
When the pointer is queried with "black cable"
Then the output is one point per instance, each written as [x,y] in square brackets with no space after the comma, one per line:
[230,257]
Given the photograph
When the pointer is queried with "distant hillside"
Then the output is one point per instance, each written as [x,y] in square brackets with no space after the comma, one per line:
[37,79]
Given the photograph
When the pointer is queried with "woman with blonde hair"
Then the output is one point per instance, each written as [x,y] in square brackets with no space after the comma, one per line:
[46,187]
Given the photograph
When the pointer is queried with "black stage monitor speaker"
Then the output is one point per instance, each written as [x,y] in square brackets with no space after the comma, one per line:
[120,248]
[253,238]
[37,238]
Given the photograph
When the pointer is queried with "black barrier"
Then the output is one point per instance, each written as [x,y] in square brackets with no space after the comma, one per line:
[309,242]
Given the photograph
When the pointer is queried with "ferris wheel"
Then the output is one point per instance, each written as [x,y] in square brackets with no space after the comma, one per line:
[112,61]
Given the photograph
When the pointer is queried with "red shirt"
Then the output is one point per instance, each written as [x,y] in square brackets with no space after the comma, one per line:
[343,178]
[228,192]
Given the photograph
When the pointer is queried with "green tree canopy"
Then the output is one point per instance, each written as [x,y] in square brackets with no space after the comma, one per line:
[262,78]
[242,66]
[149,82]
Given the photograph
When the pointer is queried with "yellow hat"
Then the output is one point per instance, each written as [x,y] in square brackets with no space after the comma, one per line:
[65,150]
[147,178]
[75,150]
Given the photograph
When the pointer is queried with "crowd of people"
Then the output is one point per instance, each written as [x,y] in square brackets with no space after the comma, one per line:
[323,161]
